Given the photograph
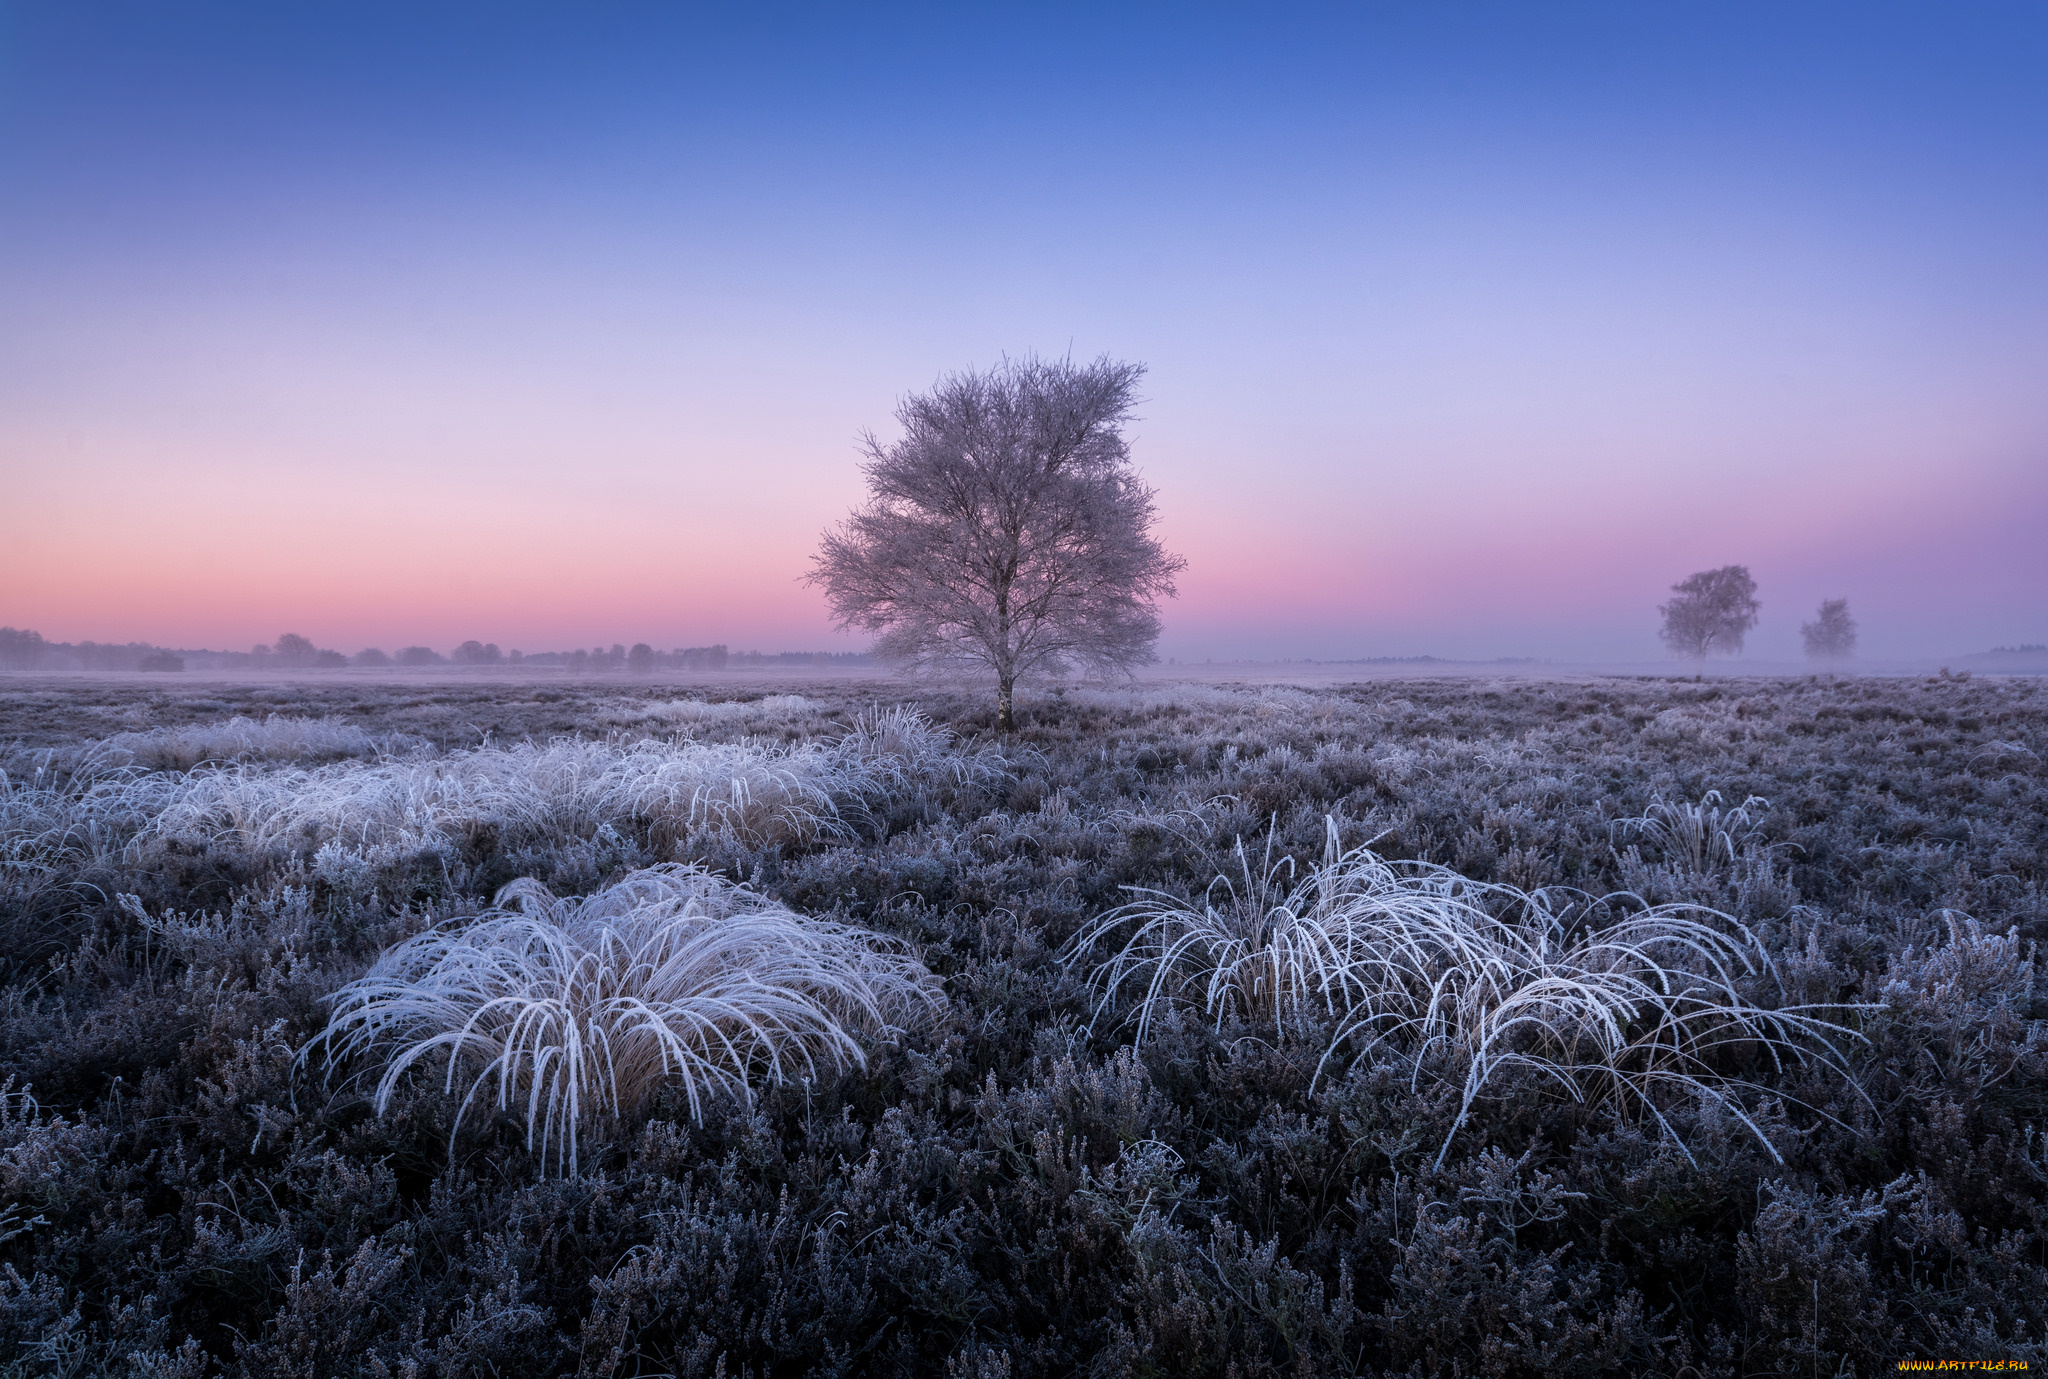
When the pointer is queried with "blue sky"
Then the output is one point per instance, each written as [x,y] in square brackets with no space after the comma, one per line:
[1471,328]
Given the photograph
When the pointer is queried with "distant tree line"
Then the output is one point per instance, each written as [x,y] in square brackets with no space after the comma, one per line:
[643,659]
[27,650]
[22,649]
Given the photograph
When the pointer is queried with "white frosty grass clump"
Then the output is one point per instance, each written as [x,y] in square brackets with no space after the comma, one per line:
[571,1014]
[356,815]
[56,815]
[764,793]
[900,750]
[1696,838]
[1414,959]
[276,738]
[685,713]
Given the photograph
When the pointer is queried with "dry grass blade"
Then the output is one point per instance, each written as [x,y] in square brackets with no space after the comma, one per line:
[572,1013]
[1615,1002]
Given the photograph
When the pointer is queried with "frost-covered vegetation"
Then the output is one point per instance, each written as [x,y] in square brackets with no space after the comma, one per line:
[580,1012]
[1611,996]
[1413,1027]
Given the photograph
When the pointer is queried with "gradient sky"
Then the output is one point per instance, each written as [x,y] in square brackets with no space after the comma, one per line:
[1471,328]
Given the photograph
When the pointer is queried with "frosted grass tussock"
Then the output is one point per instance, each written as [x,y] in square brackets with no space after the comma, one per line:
[764,793]
[676,713]
[1610,1001]
[571,1014]
[897,749]
[414,803]
[74,812]
[1697,838]
[276,738]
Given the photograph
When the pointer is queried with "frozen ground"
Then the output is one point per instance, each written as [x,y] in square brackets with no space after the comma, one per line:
[1021,1184]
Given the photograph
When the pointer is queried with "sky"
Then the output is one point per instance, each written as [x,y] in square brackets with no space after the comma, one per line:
[1470,328]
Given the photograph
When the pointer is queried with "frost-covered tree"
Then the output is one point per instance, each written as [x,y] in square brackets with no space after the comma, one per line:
[1006,530]
[1714,610]
[20,649]
[1832,635]
[293,650]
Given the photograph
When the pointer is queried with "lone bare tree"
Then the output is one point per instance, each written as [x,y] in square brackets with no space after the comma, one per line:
[1714,610]
[1832,635]
[1006,530]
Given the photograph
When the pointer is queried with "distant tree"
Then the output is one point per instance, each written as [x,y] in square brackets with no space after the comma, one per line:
[1006,530]
[640,660]
[328,660]
[161,660]
[293,650]
[419,656]
[1714,610]
[371,656]
[20,649]
[473,653]
[1832,635]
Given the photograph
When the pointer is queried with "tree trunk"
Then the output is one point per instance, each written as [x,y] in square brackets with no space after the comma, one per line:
[1005,720]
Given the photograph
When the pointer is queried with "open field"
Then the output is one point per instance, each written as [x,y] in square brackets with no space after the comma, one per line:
[1535,1026]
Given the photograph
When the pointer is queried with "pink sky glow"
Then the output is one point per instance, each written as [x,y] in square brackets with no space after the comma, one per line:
[1453,350]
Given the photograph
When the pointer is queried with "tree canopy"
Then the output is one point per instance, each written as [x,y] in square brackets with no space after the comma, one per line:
[1712,613]
[1831,636]
[1005,529]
